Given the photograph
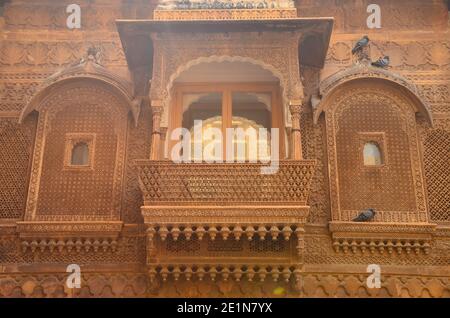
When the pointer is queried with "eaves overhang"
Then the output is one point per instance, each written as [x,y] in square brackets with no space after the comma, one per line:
[137,43]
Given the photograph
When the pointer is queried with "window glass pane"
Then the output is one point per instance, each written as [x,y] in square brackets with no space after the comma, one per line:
[80,155]
[372,154]
[204,110]
[251,112]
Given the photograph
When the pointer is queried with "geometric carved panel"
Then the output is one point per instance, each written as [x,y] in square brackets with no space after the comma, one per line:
[16,143]
[388,187]
[138,147]
[394,189]
[86,191]
[437,172]
[79,194]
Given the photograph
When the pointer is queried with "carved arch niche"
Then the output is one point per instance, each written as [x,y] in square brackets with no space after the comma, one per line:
[71,204]
[377,111]
[78,111]
[372,110]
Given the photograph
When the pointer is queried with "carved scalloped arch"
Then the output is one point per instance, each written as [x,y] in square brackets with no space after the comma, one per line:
[85,71]
[226,58]
[359,72]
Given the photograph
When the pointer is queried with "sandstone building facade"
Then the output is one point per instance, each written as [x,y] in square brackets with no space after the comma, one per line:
[86,117]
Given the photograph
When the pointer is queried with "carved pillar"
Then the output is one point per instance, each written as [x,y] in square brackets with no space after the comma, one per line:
[300,234]
[296,137]
[157,110]
[151,248]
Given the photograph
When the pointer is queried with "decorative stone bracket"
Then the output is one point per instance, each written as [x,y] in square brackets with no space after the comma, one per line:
[236,223]
[68,236]
[382,238]
[225,272]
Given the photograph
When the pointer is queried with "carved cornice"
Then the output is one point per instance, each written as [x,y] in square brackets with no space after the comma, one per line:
[244,213]
[381,227]
[359,72]
[84,70]
[69,229]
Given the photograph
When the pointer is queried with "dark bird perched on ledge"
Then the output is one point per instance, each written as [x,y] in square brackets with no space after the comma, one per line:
[381,62]
[365,216]
[360,44]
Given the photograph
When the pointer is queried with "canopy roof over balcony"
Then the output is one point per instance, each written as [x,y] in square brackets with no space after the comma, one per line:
[136,37]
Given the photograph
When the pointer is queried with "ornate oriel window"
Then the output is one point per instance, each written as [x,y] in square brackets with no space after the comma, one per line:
[251,110]
[79,151]
[372,154]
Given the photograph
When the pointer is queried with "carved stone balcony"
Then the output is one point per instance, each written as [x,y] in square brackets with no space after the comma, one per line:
[167,183]
[226,202]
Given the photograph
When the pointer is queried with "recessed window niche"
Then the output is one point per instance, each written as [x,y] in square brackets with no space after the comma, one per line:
[79,151]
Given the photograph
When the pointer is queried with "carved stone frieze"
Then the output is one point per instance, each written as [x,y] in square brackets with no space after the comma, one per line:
[359,72]
[407,55]
[139,285]
[228,14]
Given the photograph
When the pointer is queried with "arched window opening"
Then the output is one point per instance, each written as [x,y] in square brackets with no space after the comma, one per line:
[372,154]
[235,121]
[251,112]
[80,154]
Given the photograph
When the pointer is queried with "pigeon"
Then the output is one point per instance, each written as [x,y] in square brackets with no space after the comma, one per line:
[365,216]
[360,44]
[381,62]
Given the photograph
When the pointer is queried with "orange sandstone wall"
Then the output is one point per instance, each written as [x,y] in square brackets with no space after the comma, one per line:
[35,43]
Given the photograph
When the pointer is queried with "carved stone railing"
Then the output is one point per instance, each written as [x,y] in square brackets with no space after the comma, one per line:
[168,183]
[231,201]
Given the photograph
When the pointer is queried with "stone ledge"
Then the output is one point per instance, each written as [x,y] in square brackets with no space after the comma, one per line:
[225,14]
[378,237]
[69,229]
